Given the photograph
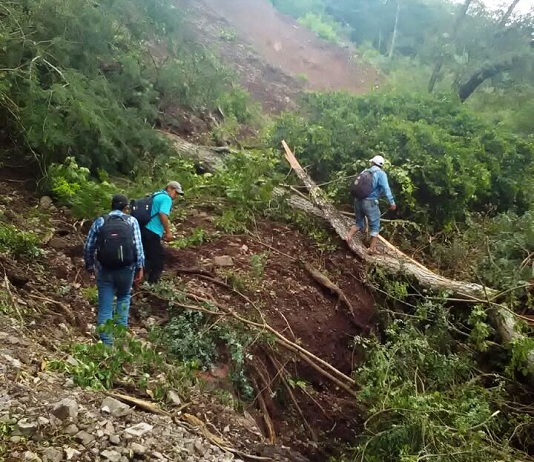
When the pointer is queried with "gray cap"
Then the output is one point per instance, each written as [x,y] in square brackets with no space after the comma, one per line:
[176,186]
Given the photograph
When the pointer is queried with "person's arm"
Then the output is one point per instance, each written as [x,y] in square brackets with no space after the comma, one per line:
[384,185]
[164,212]
[89,249]
[139,251]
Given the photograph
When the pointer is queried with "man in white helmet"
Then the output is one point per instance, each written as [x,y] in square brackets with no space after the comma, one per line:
[368,206]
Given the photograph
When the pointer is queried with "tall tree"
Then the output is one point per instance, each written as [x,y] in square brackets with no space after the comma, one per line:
[395,31]
[441,59]
[501,61]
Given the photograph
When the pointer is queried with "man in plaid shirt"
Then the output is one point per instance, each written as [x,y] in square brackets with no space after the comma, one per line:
[114,251]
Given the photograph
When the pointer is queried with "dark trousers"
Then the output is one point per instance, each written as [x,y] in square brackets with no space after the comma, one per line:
[154,255]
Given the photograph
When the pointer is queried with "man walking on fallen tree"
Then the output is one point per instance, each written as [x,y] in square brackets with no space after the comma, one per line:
[366,189]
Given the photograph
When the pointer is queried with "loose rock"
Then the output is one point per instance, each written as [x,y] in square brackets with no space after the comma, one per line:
[115,407]
[52,455]
[140,429]
[66,409]
[223,261]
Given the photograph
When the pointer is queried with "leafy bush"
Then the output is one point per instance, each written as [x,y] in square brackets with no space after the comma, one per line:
[322,25]
[71,185]
[247,182]
[17,243]
[92,82]
[200,340]
[427,399]
[128,361]
[444,160]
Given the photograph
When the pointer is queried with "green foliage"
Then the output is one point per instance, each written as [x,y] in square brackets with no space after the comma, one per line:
[129,361]
[197,237]
[201,340]
[17,243]
[246,182]
[92,83]
[427,399]
[71,185]
[91,294]
[498,250]
[322,25]
[444,160]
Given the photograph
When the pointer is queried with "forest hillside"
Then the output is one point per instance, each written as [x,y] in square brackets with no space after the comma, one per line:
[270,336]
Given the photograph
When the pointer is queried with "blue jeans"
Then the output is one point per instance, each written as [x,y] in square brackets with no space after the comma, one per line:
[111,283]
[367,208]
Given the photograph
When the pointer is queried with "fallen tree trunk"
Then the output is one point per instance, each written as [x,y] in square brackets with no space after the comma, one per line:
[504,320]
[397,262]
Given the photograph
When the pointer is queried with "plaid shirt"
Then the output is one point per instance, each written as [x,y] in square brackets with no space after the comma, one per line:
[89,251]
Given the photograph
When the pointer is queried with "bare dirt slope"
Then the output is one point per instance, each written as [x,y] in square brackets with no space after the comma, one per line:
[276,57]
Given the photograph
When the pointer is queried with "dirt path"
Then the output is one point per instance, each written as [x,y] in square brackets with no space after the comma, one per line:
[275,56]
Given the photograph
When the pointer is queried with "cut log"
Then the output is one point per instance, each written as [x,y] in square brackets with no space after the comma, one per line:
[396,262]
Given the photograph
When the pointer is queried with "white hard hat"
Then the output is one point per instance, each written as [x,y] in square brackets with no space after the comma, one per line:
[378,160]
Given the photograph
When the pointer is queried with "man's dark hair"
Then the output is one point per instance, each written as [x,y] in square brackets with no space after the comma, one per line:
[119,202]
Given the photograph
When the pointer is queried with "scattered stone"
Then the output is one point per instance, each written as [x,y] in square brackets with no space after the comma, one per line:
[111,455]
[46,202]
[223,261]
[138,449]
[72,361]
[16,439]
[199,448]
[31,456]
[115,407]
[174,398]
[140,429]
[109,429]
[52,455]
[66,409]
[71,429]
[13,361]
[43,421]
[71,453]
[115,439]
[26,427]
[84,438]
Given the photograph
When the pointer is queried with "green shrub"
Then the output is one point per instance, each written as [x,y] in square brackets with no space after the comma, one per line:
[427,399]
[72,186]
[322,25]
[18,243]
[131,361]
[443,161]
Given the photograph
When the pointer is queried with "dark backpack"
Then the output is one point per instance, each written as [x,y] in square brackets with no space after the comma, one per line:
[115,243]
[141,209]
[361,186]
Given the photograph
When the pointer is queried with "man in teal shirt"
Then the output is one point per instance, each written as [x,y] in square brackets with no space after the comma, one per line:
[158,228]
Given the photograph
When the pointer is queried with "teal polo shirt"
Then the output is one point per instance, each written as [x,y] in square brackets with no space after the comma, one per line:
[162,203]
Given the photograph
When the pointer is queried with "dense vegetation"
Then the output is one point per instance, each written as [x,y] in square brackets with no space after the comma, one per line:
[83,84]
[90,80]
[483,57]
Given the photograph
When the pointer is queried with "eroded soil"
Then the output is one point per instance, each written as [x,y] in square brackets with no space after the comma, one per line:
[288,298]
